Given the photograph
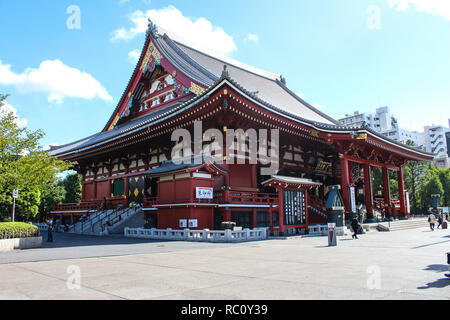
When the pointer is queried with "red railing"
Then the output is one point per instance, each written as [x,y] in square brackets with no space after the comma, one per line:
[221,197]
[83,206]
[317,203]
[245,197]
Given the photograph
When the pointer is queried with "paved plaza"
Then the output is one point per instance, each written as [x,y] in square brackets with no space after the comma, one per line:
[406,264]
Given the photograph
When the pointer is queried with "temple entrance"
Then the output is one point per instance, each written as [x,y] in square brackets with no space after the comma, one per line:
[150,220]
[218,218]
[243,219]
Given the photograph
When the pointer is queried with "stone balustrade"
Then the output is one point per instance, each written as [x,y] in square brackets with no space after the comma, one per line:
[198,235]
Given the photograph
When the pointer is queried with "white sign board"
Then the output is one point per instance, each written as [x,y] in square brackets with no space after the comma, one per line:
[15,193]
[193,223]
[183,223]
[353,199]
[204,193]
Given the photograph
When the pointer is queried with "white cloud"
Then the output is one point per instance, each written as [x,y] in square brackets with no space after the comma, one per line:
[301,95]
[198,32]
[315,105]
[252,37]
[437,7]
[318,106]
[134,55]
[7,108]
[56,79]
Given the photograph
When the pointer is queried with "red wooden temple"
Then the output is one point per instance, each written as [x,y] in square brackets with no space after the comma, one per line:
[174,86]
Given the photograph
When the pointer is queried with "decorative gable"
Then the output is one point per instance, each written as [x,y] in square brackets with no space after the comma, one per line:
[155,83]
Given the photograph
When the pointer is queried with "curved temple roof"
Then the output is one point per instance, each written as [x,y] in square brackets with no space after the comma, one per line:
[265,88]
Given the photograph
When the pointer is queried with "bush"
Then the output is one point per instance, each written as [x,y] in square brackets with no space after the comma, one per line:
[11,230]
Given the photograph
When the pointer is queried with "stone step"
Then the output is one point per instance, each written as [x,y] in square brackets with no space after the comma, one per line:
[405,224]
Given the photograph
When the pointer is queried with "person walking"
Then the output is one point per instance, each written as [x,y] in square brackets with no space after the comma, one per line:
[50,229]
[355,227]
[439,220]
[431,221]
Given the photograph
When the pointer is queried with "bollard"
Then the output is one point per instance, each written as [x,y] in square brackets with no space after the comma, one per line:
[332,240]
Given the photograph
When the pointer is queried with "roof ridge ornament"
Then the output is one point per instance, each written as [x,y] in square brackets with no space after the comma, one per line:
[283,79]
[225,73]
[152,29]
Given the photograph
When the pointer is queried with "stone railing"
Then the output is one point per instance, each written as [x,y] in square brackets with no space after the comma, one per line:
[198,235]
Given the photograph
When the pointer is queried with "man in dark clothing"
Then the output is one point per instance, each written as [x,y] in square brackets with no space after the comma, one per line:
[50,229]
[440,220]
[355,227]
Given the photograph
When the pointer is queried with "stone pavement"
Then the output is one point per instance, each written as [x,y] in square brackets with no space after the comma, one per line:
[406,264]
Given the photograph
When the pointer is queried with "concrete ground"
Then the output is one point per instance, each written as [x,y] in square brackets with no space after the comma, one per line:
[394,265]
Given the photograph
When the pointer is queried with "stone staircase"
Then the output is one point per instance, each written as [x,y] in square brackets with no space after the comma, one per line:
[99,222]
[397,225]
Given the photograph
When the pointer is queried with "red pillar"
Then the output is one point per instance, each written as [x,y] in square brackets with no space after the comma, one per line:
[254,219]
[280,209]
[271,218]
[254,176]
[386,190]
[345,181]
[401,191]
[368,192]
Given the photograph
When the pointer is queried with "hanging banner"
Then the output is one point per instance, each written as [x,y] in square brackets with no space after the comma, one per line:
[408,210]
[353,199]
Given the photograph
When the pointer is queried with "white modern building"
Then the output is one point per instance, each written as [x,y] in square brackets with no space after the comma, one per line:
[437,140]
[383,122]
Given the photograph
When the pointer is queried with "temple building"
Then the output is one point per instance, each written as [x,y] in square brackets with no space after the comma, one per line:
[177,87]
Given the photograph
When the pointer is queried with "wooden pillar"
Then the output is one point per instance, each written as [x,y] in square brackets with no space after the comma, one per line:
[401,191]
[227,215]
[368,192]
[83,191]
[345,182]
[126,186]
[271,218]
[386,190]
[254,176]
[280,209]
[254,219]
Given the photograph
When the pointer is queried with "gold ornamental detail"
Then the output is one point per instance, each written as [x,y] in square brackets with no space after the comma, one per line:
[195,88]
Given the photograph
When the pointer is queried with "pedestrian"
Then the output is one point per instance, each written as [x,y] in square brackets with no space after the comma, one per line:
[439,220]
[448,262]
[50,229]
[431,221]
[355,227]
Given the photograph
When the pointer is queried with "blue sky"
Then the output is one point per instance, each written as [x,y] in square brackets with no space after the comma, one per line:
[341,55]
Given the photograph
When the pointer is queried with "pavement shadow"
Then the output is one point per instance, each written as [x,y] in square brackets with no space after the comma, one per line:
[441,283]
[66,240]
[437,267]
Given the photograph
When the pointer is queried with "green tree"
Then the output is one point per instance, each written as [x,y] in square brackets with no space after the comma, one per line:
[431,185]
[53,194]
[24,165]
[72,185]
[414,172]
[444,177]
